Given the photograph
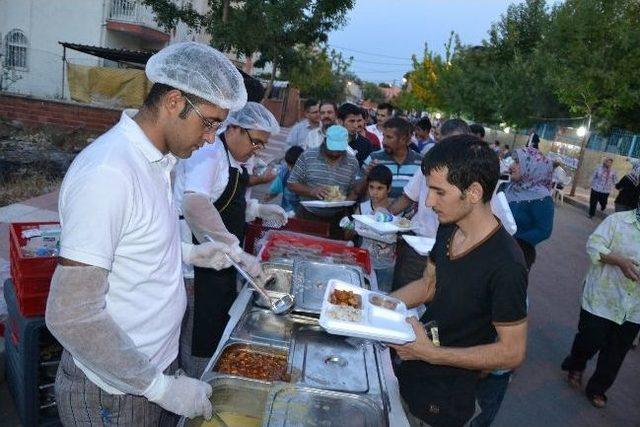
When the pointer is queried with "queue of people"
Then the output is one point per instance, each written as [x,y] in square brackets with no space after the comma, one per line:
[154,211]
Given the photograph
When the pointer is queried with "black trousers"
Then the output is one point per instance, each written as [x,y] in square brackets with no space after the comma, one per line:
[529,252]
[595,198]
[409,266]
[599,335]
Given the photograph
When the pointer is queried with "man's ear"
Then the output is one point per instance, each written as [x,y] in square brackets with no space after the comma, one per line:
[475,192]
[173,102]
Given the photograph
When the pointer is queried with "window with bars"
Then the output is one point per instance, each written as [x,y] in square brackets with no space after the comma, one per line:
[15,50]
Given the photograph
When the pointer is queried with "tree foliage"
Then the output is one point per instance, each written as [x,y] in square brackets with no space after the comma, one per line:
[578,58]
[272,28]
[319,73]
[372,92]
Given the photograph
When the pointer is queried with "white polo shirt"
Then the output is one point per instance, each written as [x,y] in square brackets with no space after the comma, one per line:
[425,220]
[117,213]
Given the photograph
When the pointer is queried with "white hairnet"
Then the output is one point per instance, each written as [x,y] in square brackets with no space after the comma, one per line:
[254,116]
[199,70]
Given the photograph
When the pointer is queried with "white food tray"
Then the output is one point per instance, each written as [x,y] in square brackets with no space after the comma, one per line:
[323,204]
[422,245]
[380,227]
[375,323]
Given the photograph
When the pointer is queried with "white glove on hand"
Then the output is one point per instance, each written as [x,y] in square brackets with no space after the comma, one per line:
[207,255]
[271,212]
[250,263]
[181,395]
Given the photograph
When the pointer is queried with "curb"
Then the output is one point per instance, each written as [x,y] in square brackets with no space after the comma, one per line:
[578,204]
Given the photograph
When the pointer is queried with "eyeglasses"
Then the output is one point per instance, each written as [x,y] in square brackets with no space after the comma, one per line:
[209,126]
[257,145]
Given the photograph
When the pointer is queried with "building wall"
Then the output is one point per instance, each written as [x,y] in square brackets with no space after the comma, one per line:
[45,22]
[61,114]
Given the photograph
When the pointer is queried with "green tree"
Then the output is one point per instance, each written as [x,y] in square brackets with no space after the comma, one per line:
[320,74]
[592,54]
[272,28]
[372,92]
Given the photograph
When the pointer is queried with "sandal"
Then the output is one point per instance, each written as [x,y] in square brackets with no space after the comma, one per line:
[575,379]
[598,400]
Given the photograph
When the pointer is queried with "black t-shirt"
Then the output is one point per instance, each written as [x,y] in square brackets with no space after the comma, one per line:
[483,287]
[362,146]
[476,290]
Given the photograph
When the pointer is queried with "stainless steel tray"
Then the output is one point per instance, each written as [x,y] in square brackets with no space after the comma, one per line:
[310,281]
[292,405]
[231,345]
[283,273]
[261,326]
[329,362]
[239,401]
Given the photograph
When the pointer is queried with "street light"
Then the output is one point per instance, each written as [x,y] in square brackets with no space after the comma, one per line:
[507,129]
[438,116]
[581,132]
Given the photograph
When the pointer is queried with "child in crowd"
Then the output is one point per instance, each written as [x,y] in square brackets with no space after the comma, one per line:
[279,184]
[382,248]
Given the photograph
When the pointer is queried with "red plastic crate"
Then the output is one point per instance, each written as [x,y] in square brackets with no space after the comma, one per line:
[32,304]
[255,230]
[28,267]
[31,276]
[329,247]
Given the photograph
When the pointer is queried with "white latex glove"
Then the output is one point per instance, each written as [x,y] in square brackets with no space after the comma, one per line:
[207,255]
[181,395]
[271,212]
[250,263]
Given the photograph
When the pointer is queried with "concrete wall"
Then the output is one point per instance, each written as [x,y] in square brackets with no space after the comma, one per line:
[61,114]
[45,22]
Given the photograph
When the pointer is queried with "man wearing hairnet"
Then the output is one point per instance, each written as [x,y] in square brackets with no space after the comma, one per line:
[210,188]
[117,296]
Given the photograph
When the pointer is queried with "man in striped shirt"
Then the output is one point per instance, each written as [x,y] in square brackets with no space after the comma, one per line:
[319,168]
[396,154]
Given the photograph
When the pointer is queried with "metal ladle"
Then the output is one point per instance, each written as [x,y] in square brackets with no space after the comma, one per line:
[281,305]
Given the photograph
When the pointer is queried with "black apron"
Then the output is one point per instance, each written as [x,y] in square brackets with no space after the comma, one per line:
[214,291]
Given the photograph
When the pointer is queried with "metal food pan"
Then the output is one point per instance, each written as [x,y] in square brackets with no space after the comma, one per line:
[283,273]
[310,280]
[239,401]
[293,405]
[261,326]
[233,348]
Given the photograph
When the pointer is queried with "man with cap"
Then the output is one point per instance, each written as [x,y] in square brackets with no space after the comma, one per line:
[210,190]
[117,296]
[318,169]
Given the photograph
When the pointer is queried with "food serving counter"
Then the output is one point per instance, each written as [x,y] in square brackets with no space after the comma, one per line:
[272,370]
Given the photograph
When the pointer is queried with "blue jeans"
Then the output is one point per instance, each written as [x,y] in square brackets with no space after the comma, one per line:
[489,393]
[385,278]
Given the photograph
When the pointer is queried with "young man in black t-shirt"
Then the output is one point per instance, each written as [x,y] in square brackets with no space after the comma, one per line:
[475,285]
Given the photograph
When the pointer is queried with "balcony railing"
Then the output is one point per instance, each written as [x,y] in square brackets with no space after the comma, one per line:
[132,12]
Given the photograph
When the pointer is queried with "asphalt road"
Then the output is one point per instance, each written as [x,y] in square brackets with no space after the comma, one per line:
[538,394]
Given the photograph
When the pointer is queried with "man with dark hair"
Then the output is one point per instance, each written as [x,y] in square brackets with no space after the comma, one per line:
[534,139]
[454,127]
[477,130]
[422,131]
[475,283]
[383,113]
[328,111]
[396,155]
[298,133]
[349,116]
[362,130]
[117,297]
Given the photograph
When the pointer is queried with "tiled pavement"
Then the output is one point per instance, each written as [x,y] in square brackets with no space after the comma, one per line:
[538,394]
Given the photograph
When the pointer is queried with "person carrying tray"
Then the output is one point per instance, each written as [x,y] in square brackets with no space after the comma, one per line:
[475,284]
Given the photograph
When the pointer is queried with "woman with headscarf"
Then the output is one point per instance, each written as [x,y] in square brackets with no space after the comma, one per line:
[629,187]
[530,200]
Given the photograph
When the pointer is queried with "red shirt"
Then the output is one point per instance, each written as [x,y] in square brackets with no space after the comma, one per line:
[373,139]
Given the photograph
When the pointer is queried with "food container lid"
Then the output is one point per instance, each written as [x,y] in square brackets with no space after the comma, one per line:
[310,280]
[291,405]
[370,321]
[264,327]
[329,362]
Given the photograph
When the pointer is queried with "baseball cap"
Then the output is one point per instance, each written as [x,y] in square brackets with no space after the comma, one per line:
[337,138]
